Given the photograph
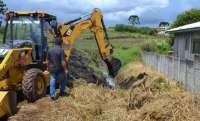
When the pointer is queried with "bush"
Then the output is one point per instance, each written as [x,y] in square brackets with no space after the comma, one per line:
[162,47]
[149,47]
[170,39]
[130,28]
[125,28]
[147,30]
[187,17]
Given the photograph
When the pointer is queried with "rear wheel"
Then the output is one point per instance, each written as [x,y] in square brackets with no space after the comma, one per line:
[34,85]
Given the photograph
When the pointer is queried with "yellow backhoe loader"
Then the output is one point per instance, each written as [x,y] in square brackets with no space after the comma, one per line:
[24,50]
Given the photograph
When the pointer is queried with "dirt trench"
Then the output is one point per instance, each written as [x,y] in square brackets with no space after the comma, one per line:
[83,66]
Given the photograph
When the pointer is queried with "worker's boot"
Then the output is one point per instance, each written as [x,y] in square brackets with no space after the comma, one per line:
[54,98]
[66,92]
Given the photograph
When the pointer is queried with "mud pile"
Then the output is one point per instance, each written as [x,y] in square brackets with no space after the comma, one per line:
[82,65]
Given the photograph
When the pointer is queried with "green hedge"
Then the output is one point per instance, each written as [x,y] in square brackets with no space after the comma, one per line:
[131,28]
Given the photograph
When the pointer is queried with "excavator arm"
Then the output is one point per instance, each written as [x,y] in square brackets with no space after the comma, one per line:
[69,32]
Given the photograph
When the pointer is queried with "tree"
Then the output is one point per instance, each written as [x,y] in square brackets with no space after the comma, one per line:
[3,8]
[187,17]
[134,19]
[163,24]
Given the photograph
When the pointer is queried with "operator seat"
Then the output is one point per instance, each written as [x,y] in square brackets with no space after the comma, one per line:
[36,46]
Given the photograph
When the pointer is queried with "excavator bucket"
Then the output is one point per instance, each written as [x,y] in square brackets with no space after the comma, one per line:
[114,66]
[7,103]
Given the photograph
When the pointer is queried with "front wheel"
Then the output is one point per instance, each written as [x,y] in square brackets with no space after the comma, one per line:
[33,84]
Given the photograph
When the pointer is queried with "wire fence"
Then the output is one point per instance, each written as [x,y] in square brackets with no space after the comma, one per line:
[175,68]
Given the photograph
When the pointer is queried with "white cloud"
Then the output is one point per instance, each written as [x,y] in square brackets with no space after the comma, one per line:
[115,11]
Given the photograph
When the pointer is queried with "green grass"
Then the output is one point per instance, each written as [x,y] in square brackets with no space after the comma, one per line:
[127,45]
[127,55]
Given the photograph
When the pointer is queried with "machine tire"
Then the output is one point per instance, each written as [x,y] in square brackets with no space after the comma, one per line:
[33,84]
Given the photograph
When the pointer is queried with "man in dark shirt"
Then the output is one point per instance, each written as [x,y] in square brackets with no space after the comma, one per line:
[58,68]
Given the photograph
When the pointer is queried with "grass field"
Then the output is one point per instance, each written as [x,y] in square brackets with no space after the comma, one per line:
[127,46]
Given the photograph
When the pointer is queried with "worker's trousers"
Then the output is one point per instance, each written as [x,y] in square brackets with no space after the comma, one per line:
[62,80]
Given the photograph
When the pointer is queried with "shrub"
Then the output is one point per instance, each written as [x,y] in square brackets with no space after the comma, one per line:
[125,28]
[131,28]
[187,17]
[146,30]
[162,47]
[149,47]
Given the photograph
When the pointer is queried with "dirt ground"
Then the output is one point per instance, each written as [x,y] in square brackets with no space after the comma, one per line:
[142,95]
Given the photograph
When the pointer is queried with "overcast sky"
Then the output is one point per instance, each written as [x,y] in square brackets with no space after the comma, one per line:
[151,12]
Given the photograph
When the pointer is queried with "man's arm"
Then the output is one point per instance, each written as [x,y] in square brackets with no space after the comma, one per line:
[64,65]
[47,60]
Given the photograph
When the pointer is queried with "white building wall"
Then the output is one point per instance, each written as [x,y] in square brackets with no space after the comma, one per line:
[183,44]
[179,45]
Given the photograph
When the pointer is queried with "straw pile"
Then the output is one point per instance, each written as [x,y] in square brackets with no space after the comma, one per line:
[154,98]
[143,95]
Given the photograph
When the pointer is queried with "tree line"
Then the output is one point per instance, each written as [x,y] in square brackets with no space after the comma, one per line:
[187,17]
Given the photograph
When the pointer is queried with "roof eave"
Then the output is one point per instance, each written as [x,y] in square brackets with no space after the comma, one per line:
[183,30]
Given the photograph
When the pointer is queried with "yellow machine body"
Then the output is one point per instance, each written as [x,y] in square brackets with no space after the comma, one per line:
[12,83]
[12,73]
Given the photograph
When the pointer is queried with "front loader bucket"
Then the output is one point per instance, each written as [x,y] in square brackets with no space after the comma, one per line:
[8,103]
[114,66]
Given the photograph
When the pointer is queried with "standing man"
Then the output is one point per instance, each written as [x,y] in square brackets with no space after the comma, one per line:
[58,68]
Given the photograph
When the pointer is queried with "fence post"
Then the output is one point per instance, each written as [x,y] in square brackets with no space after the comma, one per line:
[173,69]
[186,74]
[178,68]
[194,77]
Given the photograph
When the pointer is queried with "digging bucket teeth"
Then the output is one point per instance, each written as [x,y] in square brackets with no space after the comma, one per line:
[7,103]
[114,66]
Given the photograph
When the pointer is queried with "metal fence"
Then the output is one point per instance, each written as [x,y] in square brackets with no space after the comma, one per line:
[186,71]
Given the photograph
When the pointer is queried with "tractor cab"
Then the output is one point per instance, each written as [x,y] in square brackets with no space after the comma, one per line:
[29,29]
[22,55]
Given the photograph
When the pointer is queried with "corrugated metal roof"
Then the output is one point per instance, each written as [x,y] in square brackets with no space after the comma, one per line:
[186,28]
